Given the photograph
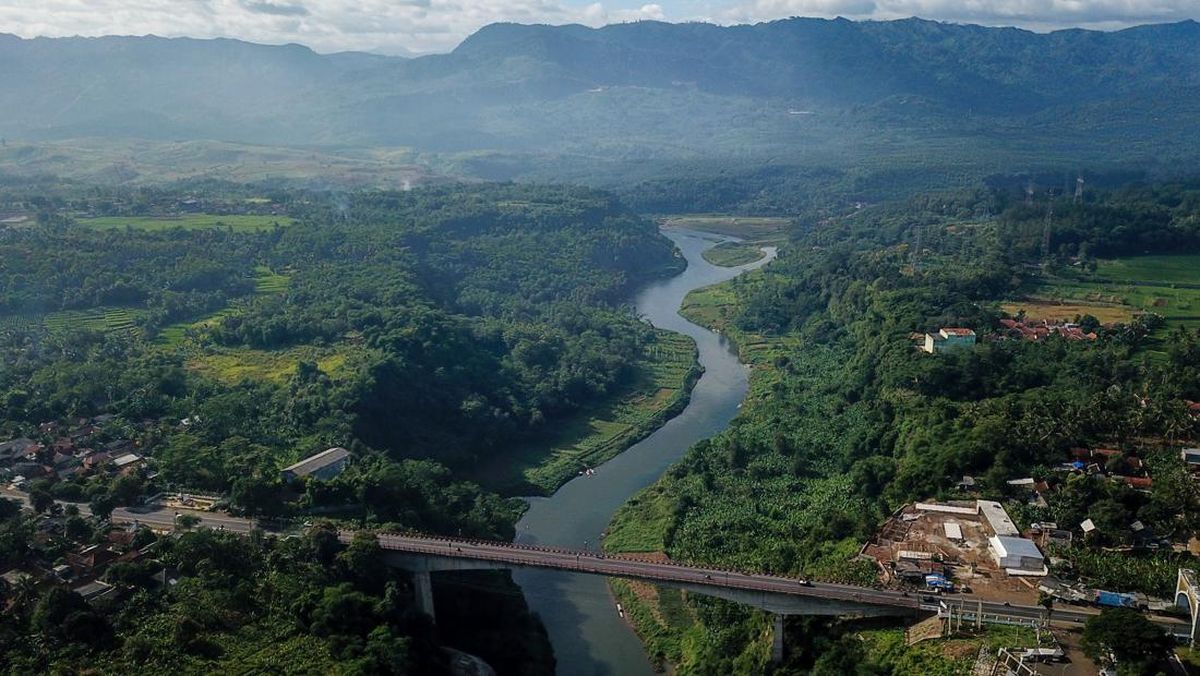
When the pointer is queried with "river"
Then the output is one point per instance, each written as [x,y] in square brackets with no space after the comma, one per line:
[588,636]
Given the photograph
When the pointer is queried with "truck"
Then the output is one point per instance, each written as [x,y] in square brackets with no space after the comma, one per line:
[1109,599]
[938,583]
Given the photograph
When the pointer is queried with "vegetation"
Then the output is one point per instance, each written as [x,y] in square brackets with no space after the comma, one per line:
[1126,637]
[846,420]
[209,601]
[733,254]
[233,222]
[584,440]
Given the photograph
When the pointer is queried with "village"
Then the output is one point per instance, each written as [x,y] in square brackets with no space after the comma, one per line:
[88,483]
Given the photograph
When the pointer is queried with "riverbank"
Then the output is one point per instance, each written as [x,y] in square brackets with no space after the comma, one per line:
[660,389]
[579,613]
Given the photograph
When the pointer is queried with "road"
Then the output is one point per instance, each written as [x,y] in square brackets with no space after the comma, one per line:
[588,562]
[163,518]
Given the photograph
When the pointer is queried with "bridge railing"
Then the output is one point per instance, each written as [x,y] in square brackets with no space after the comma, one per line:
[602,564]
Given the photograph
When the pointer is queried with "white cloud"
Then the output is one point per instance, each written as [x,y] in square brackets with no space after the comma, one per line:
[392,26]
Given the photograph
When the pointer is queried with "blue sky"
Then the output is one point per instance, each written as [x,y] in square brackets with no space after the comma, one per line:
[400,26]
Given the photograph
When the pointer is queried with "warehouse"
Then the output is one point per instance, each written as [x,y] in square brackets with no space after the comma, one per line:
[1017,556]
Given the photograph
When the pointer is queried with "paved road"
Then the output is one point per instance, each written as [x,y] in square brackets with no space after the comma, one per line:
[163,518]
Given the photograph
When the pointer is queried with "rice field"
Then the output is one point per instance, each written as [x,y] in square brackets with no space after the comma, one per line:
[233,365]
[238,223]
[1119,289]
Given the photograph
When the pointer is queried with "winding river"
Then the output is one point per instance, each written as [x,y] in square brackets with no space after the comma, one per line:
[588,636]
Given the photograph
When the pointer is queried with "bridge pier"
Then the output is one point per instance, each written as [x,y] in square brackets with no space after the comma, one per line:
[423,590]
[777,640]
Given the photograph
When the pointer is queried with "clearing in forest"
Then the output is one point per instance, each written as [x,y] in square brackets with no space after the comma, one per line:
[237,222]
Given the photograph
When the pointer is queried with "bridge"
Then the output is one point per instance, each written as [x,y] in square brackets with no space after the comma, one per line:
[781,595]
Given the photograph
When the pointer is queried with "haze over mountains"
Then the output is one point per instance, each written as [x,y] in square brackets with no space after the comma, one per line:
[799,89]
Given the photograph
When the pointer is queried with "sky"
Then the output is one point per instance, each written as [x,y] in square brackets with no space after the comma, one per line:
[417,26]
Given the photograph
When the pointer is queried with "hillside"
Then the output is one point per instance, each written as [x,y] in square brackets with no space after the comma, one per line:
[593,104]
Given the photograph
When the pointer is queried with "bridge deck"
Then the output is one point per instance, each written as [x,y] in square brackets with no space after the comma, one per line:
[632,567]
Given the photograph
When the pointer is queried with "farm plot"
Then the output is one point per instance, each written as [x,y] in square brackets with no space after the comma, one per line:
[236,222]
[1120,289]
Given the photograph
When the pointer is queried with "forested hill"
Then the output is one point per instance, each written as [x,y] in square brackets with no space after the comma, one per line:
[774,89]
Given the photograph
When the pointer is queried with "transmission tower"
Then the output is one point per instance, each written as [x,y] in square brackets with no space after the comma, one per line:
[1079,190]
[1046,232]
[916,257]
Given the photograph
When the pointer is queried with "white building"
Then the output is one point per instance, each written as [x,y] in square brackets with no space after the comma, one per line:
[1017,556]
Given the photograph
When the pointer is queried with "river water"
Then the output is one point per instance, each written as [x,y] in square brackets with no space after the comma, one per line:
[588,636]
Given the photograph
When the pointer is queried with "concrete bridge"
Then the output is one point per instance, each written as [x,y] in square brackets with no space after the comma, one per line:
[423,555]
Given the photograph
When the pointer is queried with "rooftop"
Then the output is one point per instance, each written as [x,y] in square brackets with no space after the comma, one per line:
[313,463]
[1014,546]
[953,331]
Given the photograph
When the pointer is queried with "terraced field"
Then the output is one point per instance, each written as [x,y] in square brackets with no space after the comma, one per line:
[107,319]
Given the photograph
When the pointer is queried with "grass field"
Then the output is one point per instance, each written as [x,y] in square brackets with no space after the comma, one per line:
[1120,288]
[597,434]
[751,228]
[239,223]
[233,365]
[733,254]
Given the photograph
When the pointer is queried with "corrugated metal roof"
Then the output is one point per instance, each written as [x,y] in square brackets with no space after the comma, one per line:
[323,459]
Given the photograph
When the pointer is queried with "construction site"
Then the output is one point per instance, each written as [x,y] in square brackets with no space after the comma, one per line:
[968,547]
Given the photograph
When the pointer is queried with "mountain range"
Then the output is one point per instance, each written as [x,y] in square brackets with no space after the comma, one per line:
[790,90]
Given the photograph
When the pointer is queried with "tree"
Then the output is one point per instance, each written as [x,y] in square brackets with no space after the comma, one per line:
[102,506]
[1134,641]
[40,499]
[187,521]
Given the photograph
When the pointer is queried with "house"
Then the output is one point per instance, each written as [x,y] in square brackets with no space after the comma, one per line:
[91,560]
[1016,555]
[126,460]
[95,590]
[96,460]
[1035,331]
[949,339]
[1191,457]
[16,449]
[324,465]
